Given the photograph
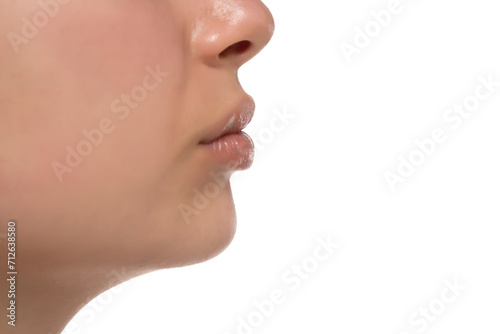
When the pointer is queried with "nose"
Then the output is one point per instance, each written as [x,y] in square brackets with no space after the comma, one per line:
[228,33]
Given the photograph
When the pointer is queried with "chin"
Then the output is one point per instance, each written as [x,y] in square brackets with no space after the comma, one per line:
[215,227]
[205,235]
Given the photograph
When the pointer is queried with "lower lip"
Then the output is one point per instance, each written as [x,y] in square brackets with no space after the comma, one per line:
[235,151]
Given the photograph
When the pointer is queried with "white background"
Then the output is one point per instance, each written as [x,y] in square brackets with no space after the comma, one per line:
[323,175]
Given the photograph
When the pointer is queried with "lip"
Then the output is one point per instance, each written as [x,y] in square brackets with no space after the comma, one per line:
[226,143]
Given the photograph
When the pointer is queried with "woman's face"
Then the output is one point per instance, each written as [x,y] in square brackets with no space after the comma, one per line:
[106,109]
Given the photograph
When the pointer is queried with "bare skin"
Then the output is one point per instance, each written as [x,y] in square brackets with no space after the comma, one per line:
[142,81]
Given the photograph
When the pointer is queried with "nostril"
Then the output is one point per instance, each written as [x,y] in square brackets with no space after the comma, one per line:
[235,49]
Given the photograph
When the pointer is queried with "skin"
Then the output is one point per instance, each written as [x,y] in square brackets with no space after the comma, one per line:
[115,214]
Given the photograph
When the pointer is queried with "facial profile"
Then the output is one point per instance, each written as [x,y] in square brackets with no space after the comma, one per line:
[120,125]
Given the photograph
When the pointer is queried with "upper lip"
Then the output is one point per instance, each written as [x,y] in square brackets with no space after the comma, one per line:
[233,122]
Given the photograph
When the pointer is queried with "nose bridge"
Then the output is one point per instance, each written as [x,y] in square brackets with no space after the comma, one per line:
[228,10]
[230,32]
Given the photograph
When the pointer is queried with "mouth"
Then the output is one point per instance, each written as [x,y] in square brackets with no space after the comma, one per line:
[226,143]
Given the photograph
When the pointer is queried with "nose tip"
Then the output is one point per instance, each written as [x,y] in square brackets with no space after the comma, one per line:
[231,32]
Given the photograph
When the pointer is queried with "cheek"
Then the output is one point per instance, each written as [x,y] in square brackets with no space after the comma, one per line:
[106,47]
[103,68]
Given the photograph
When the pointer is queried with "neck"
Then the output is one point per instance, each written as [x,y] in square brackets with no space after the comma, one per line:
[44,301]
